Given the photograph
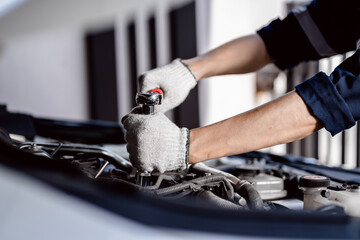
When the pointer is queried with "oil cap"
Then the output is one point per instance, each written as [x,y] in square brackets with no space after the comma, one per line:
[314,182]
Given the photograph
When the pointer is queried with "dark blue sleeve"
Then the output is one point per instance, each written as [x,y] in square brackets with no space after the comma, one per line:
[335,100]
[321,29]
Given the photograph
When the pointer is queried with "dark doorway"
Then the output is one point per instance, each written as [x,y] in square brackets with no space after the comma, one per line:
[183,45]
[101,65]
[131,35]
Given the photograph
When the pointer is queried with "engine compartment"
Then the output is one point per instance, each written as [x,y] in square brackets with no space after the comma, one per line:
[254,181]
[88,160]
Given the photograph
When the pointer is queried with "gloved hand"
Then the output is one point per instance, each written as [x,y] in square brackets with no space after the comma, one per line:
[154,142]
[175,79]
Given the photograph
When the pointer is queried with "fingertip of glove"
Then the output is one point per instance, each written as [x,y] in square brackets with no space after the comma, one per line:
[135,110]
[146,83]
[123,119]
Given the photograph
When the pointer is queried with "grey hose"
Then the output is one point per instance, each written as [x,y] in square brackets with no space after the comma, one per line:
[216,201]
[203,168]
[251,195]
[112,157]
[131,185]
[159,180]
[242,187]
[196,185]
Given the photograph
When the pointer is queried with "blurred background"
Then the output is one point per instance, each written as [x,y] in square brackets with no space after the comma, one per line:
[80,59]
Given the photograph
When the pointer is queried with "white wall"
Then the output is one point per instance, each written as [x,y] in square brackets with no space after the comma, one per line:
[226,96]
[43,74]
[160,9]
[42,58]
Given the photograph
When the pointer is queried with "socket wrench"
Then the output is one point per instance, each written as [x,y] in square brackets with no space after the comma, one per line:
[147,101]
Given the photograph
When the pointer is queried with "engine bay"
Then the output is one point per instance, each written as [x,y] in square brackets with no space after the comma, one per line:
[254,181]
[280,195]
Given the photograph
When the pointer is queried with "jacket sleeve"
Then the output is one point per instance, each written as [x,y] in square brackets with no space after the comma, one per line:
[321,29]
[335,99]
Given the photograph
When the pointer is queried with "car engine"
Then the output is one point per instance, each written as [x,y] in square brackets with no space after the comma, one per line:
[253,181]
[281,195]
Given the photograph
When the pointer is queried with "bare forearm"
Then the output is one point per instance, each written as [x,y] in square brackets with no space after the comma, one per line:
[283,120]
[242,55]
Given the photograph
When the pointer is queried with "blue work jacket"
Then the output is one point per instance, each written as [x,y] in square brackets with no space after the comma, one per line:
[321,29]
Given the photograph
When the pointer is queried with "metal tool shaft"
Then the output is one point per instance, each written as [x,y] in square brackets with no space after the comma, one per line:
[148,102]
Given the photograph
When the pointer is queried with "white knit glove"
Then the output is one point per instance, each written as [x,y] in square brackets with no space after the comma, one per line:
[154,142]
[175,79]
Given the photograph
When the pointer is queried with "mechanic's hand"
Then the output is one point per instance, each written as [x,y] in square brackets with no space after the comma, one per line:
[175,79]
[154,142]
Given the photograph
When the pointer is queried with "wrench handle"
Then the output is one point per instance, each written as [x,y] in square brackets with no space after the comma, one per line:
[158,91]
[149,109]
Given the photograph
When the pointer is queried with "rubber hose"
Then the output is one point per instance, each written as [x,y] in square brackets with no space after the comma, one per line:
[216,201]
[197,184]
[251,195]
[242,187]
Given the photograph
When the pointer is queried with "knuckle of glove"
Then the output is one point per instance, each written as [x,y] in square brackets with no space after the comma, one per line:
[135,162]
[149,81]
[133,121]
[131,148]
[138,158]
[144,83]
[127,121]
